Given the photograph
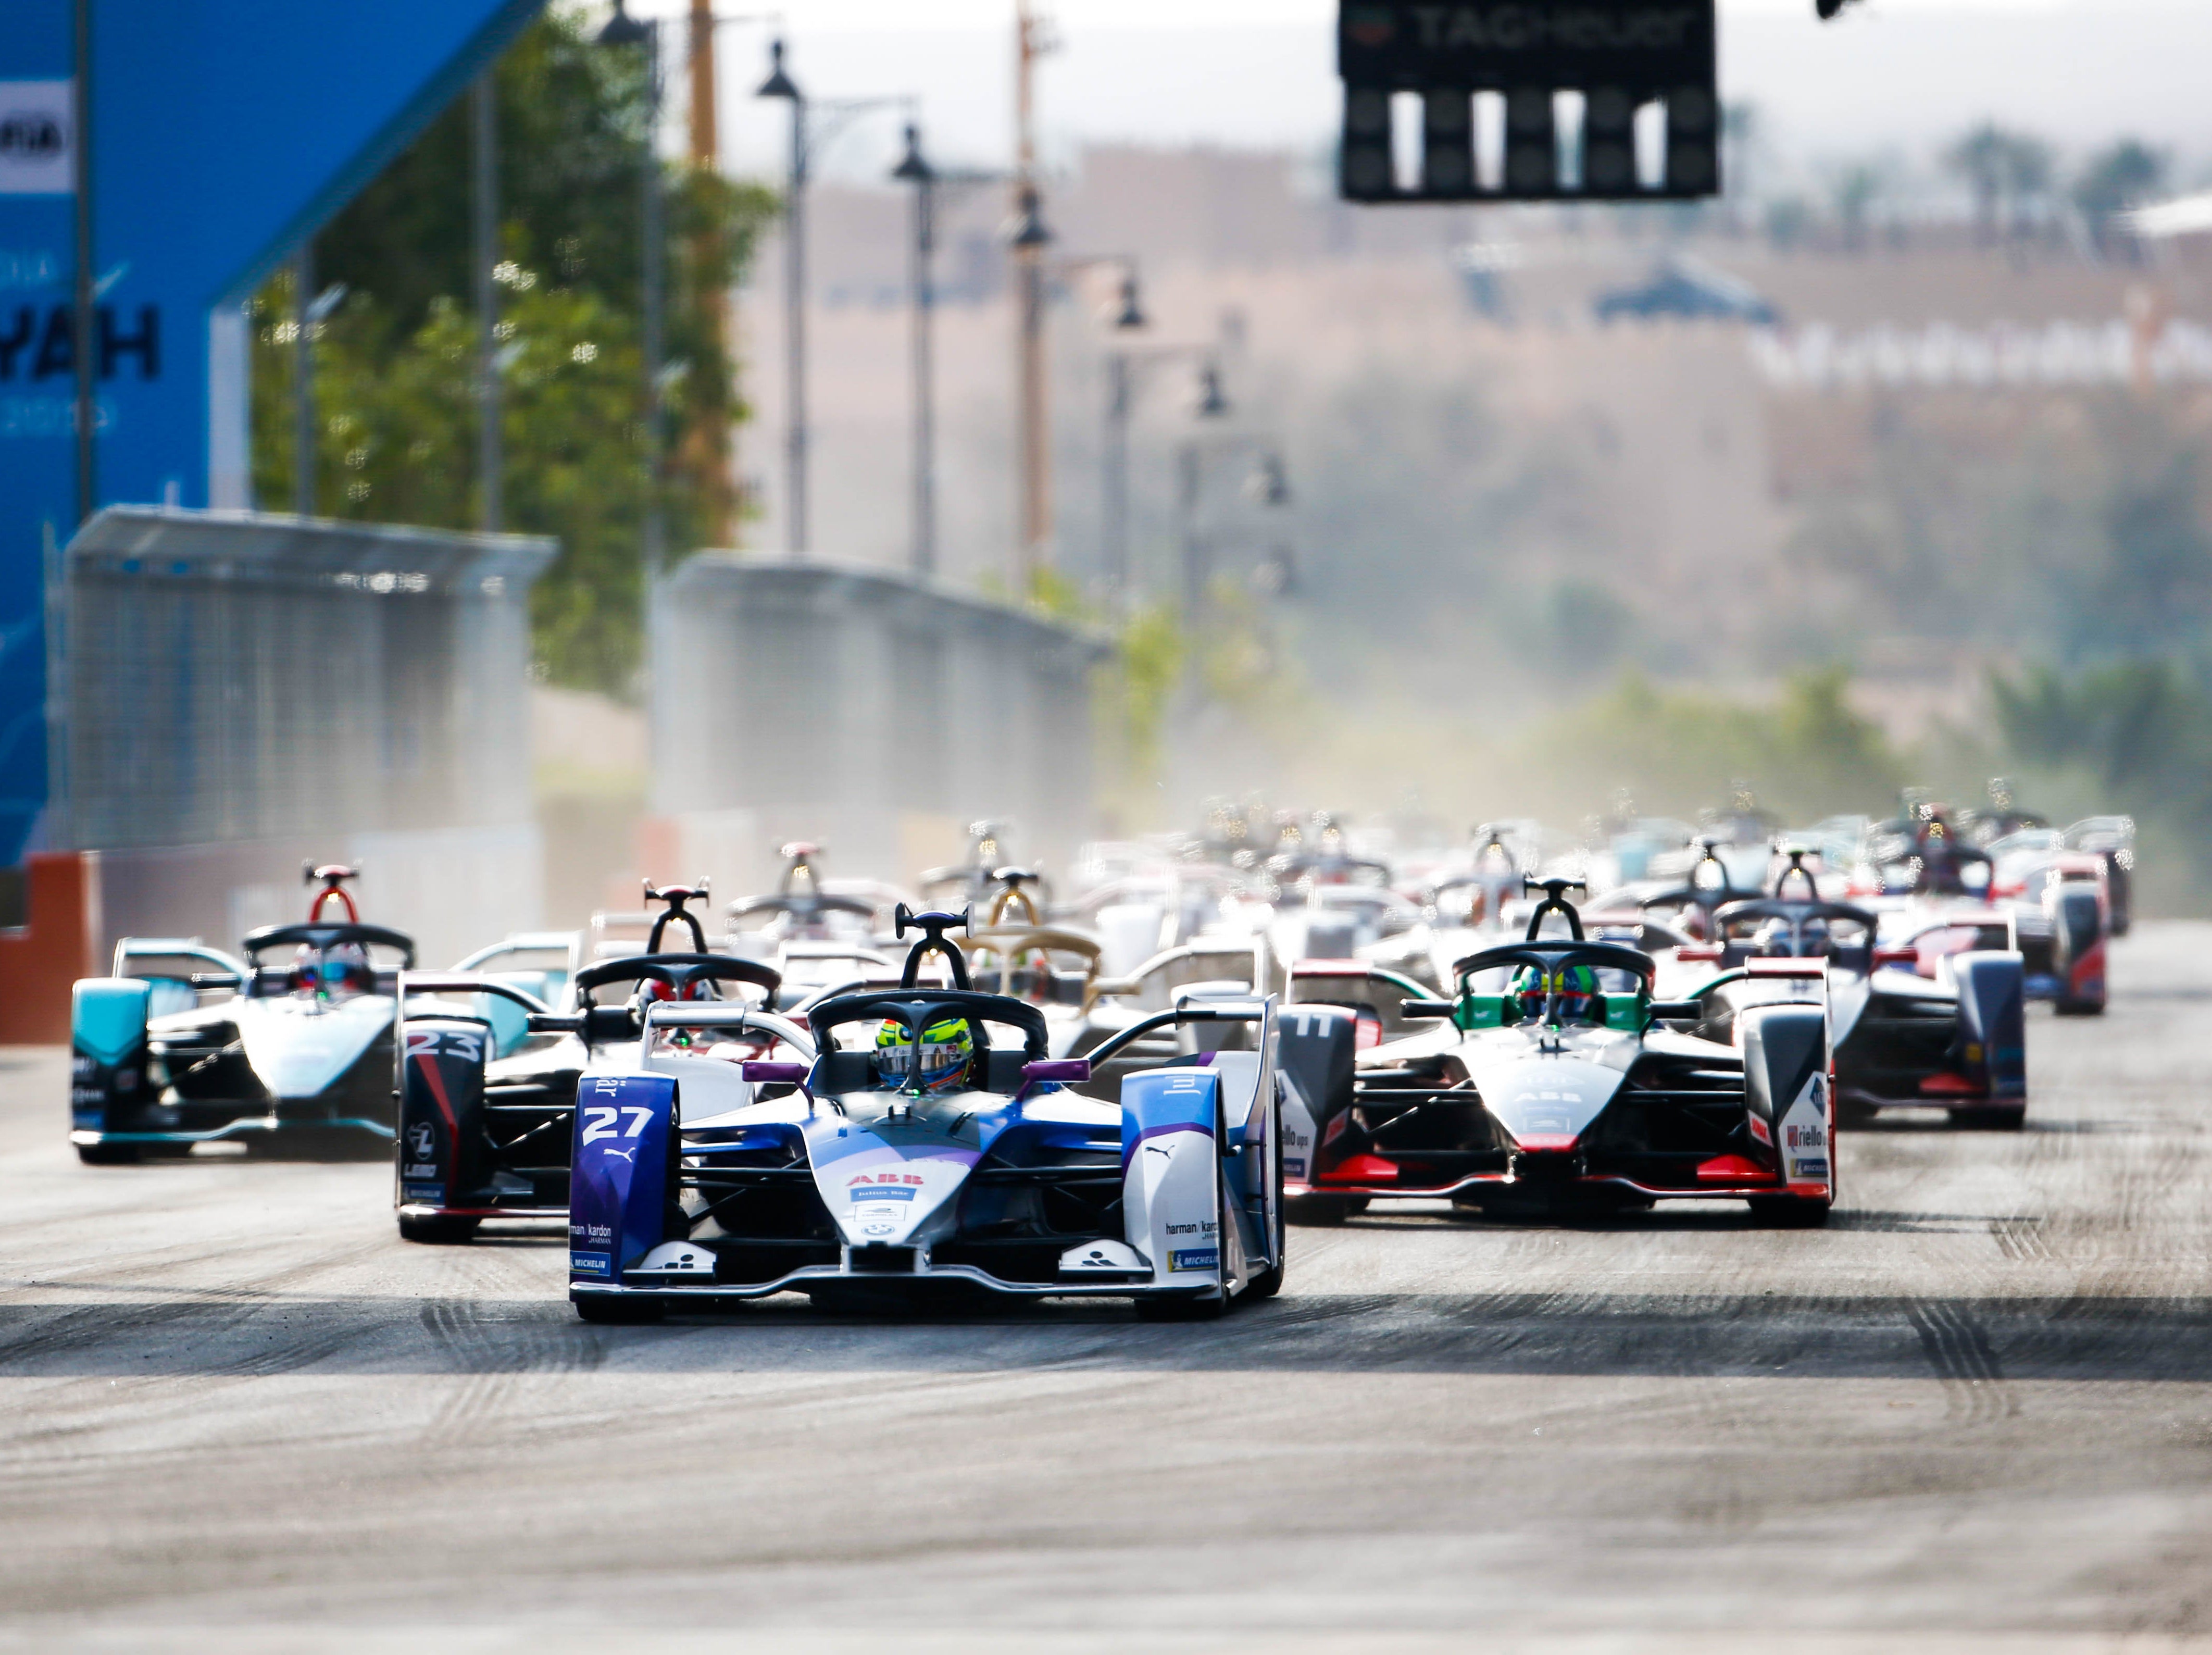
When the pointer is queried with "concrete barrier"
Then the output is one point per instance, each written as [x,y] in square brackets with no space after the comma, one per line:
[863,709]
[232,694]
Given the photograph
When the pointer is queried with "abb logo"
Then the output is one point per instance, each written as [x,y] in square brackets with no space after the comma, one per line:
[884,1177]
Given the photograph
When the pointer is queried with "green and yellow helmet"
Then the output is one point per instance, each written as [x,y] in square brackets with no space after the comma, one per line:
[1576,989]
[948,1051]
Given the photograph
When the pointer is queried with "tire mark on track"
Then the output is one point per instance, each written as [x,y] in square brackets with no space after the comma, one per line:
[1957,1347]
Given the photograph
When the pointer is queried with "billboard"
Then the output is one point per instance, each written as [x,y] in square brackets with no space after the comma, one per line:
[223,133]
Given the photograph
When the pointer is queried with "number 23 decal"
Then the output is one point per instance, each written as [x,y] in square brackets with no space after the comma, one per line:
[599,1122]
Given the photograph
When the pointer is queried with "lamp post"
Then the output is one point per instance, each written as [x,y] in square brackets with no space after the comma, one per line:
[1269,485]
[624,30]
[484,234]
[779,84]
[914,168]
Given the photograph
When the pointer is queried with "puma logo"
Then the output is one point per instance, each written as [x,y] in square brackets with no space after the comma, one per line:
[630,1155]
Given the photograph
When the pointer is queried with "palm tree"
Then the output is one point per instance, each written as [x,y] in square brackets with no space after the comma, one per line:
[2124,175]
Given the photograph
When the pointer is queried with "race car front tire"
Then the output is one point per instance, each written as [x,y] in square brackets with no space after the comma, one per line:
[436,1229]
[2011,1118]
[1206,1308]
[1789,1212]
[107,1154]
[611,1312]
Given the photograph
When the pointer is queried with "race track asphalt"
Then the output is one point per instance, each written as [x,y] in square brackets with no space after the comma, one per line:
[236,1412]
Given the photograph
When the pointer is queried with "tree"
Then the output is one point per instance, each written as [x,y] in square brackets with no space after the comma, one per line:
[396,365]
[1979,158]
[2123,175]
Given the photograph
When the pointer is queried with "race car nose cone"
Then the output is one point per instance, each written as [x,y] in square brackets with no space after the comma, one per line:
[1548,1164]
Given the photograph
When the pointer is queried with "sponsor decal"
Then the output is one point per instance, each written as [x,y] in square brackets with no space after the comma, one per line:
[879,1229]
[1294,1166]
[598,1264]
[429,1171]
[1205,1229]
[882,1178]
[1194,1258]
[1806,1137]
[1809,1167]
[876,1192]
[424,1191]
[422,1144]
[1760,1130]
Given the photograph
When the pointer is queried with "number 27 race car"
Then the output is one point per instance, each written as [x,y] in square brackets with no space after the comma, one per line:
[932,1147]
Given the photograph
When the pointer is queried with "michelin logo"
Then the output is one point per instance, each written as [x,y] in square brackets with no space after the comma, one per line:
[1195,1258]
[598,1264]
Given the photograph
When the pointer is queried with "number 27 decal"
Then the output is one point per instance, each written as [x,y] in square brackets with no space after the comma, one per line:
[599,1122]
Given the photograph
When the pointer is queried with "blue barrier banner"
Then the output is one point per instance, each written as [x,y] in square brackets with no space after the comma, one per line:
[223,132]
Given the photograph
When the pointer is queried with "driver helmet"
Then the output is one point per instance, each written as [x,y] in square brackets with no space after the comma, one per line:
[699,987]
[948,1051]
[1577,988]
[337,972]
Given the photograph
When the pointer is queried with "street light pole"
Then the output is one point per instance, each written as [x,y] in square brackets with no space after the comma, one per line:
[915,169]
[1033,529]
[484,204]
[779,84]
[623,30]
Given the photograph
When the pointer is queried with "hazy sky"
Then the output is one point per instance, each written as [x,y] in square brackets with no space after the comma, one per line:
[1891,74]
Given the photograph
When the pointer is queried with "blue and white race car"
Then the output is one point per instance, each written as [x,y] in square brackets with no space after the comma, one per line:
[932,1147]
[289,1041]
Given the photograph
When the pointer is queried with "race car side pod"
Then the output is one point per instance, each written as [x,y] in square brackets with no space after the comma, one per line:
[1993,1031]
[108,1055]
[1788,1099]
[444,1152]
[1189,1189]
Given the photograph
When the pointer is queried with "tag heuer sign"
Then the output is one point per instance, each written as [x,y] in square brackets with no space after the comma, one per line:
[1621,57]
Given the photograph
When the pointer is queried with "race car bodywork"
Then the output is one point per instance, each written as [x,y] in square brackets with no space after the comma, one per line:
[184,1044]
[1545,1115]
[1938,1023]
[485,1127]
[688,1189]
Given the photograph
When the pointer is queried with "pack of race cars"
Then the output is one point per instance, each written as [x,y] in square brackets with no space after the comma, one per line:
[986,1087]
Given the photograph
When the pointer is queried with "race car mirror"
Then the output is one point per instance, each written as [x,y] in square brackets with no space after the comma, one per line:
[760,1073]
[1896,957]
[1677,1011]
[1067,1071]
[1424,1011]
[1529,101]
[1706,952]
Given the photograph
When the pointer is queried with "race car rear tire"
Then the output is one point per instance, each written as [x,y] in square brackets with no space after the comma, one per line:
[1266,1283]
[107,1154]
[2078,1008]
[1789,1212]
[437,1230]
[1215,1305]
[2013,1118]
[1322,1209]
[619,1312]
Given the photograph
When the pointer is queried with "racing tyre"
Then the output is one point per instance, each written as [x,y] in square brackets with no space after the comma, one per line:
[1790,1213]
[437,1230]
[1266,1284]
[2012,1118]
[1215,1305]
[2078,1008]
[619,1312]
[107,1154]
[1322,1209]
